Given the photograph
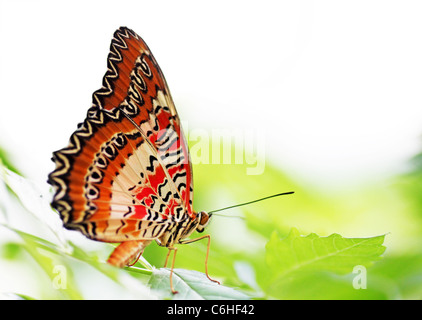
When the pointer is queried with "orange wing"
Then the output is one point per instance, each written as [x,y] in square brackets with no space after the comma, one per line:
[126,173]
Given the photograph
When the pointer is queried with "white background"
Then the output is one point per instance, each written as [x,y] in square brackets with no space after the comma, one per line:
[335,85]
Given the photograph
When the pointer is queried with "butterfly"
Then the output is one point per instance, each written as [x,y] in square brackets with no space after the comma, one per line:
[126,175]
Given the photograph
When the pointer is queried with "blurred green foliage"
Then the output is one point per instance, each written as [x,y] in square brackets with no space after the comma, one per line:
[251,254]
[6,161]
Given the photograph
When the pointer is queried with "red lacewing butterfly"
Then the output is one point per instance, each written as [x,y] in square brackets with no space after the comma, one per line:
[126,176]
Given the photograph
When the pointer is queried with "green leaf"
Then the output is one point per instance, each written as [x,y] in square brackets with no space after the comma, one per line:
[314,253]
[297,256]
[6,161]
[192,285]
[21,296]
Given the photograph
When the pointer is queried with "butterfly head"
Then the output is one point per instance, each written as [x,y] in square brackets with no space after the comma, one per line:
[203,219]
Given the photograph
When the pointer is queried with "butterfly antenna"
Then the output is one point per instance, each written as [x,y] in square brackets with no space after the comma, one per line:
[250,202]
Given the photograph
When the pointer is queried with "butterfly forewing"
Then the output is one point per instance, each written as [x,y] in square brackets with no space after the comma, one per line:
[126,173]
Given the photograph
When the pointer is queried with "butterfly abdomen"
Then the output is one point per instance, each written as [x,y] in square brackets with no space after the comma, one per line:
[126,252]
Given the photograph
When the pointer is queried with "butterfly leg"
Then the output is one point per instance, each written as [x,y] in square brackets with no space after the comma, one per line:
[206,257]
[136,259]
[167,258]
[126,252]
[172,267]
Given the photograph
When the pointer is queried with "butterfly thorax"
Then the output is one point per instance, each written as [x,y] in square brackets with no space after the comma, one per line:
[177,231]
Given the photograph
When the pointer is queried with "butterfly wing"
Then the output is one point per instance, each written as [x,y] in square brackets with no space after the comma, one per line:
[126,173]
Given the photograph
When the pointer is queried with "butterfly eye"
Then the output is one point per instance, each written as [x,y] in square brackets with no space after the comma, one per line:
[204,220]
